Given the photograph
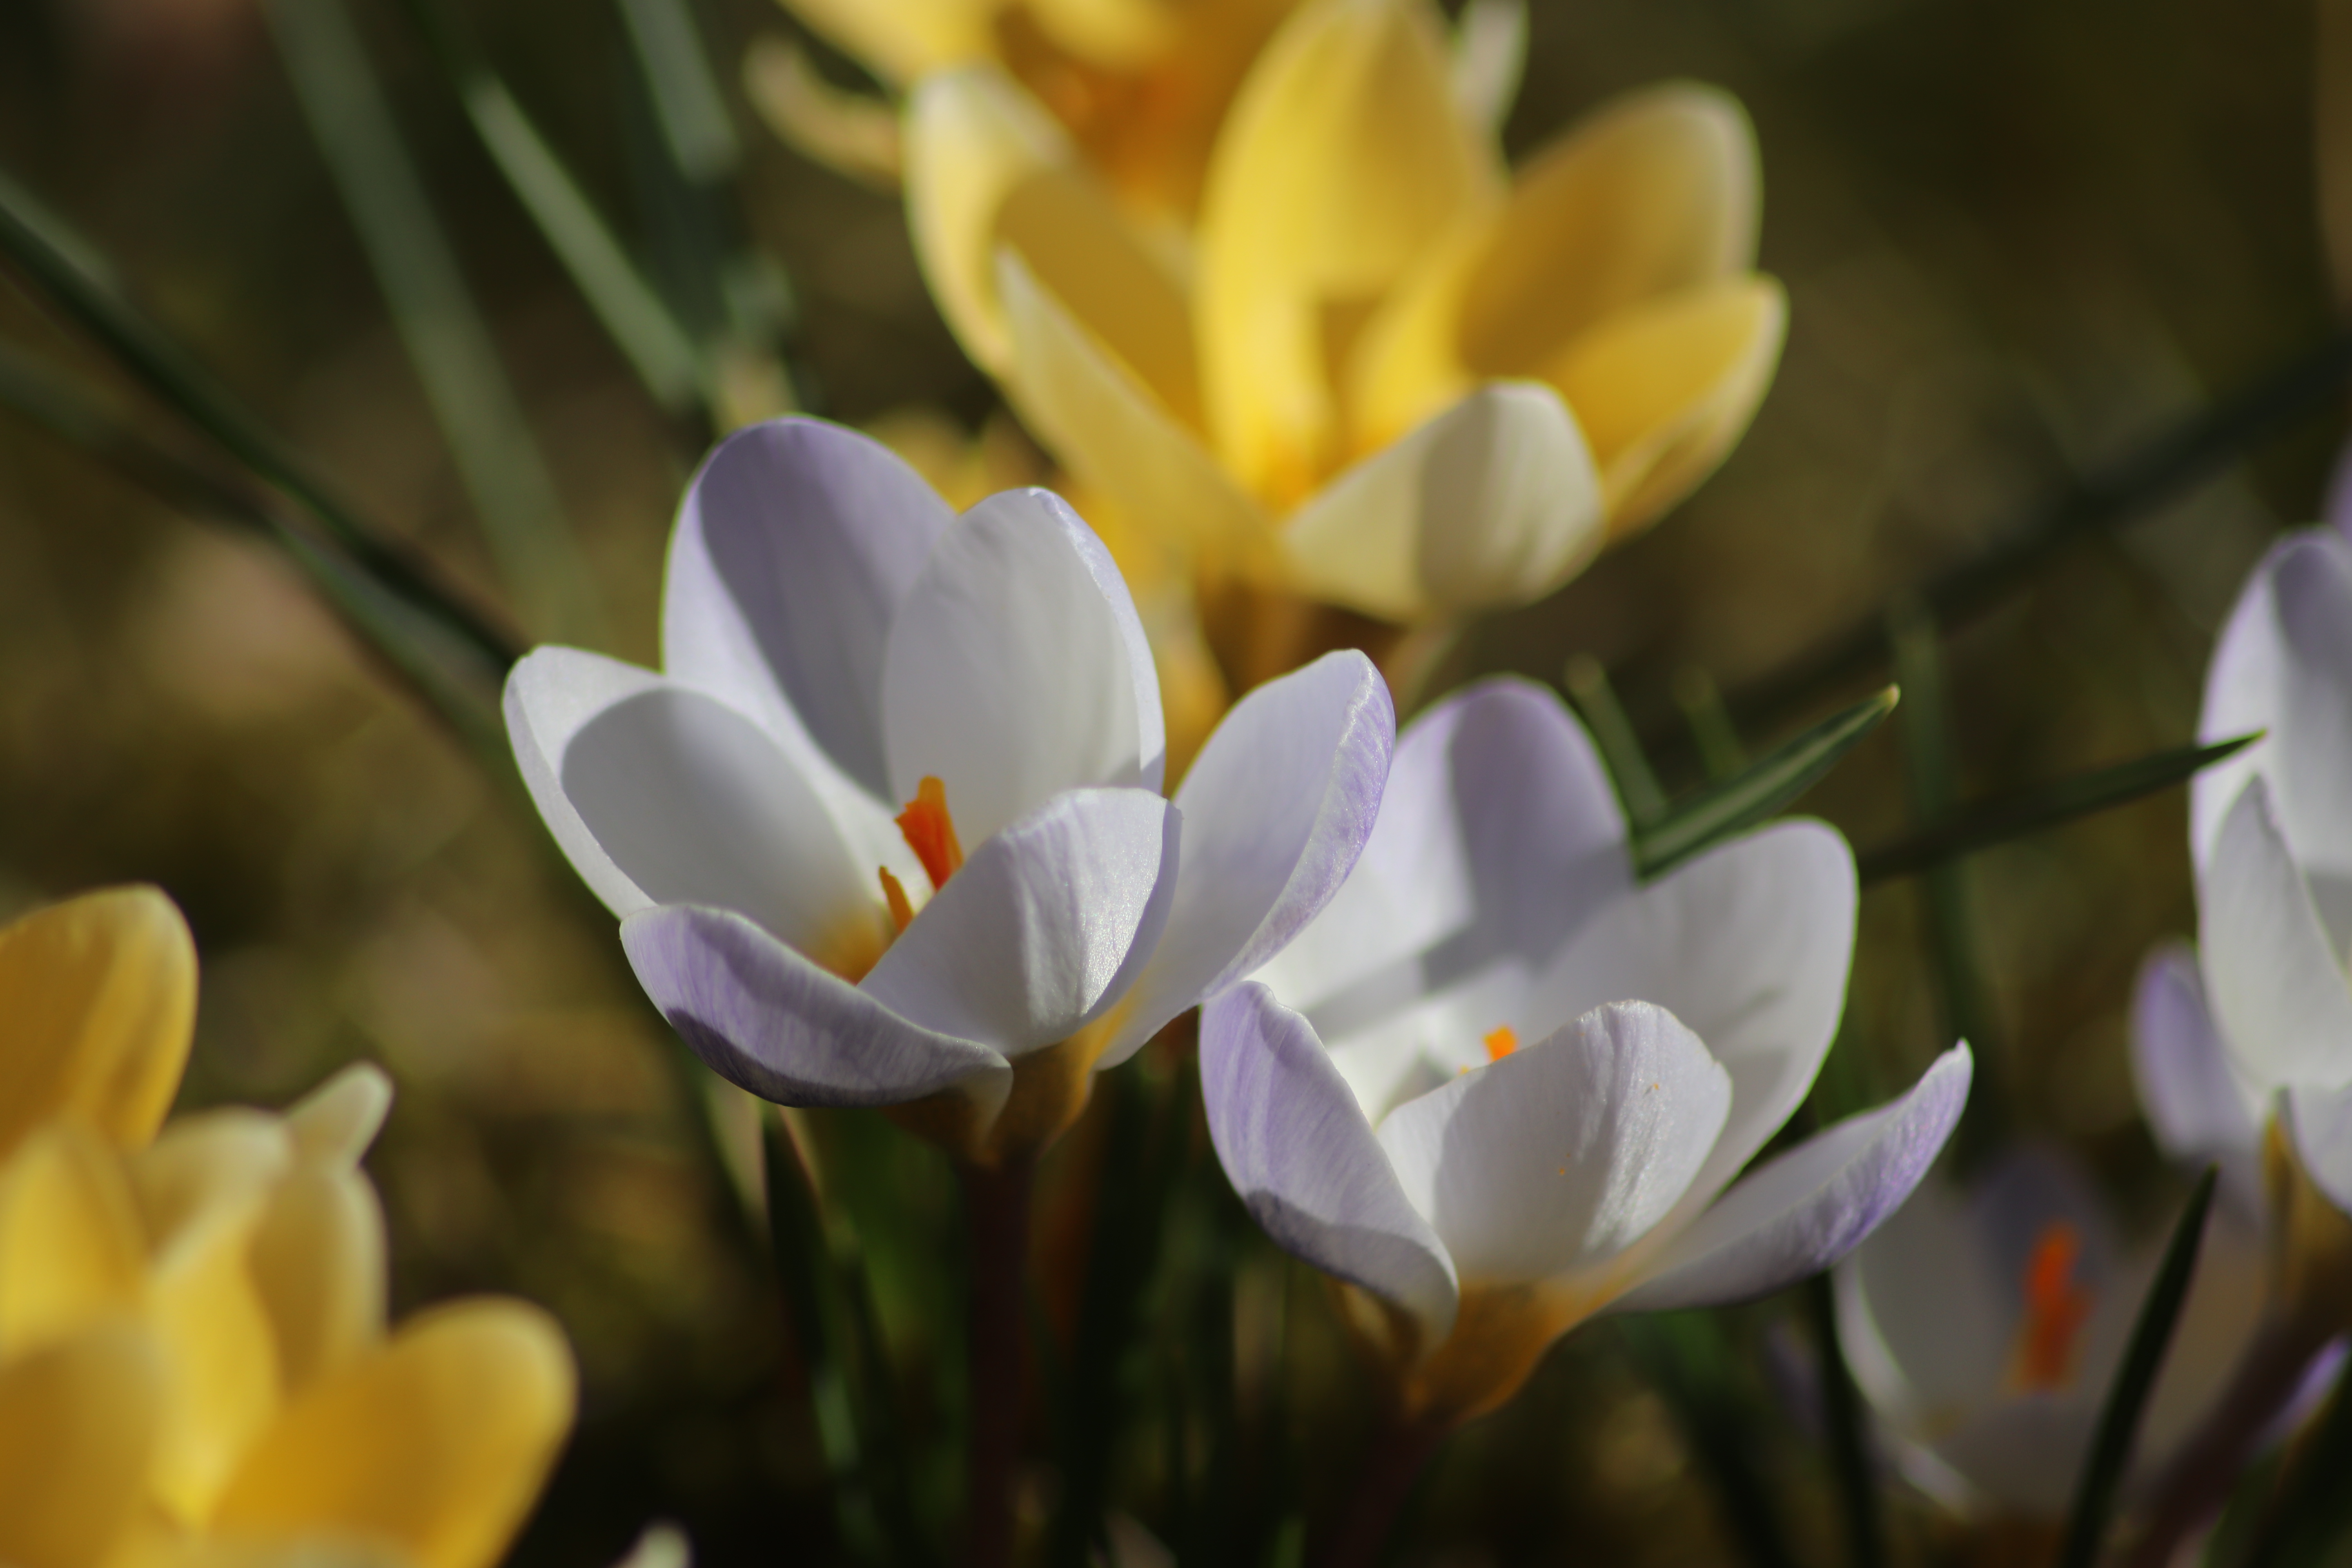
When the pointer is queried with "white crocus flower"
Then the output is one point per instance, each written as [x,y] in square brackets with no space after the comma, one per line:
[887,827]
[1502,1087]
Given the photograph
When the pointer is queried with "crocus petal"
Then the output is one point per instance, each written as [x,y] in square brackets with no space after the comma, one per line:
[767,1019]
[1115,435]
[1664,391]
[1306,1163]
[216,1337]
[1925,1316]
[1341,157]
[2021,1456]
[2319,1120]
[660,794]
[1498,833]
[70,1247]
[2243,682]
[1495,502]
[902,41]
[438,1441]
[1748,945]
[1560,1156]
[334,1123]
[973,137]
[2193,1103]
[2275,986]
[201,1161]
[77,1431]
[319,1265]
[795,545]
[1046,927]
[1802,1212]
[1275,811]
[101,999]
[1017,668]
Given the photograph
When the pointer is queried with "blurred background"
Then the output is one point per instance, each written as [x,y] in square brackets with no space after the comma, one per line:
[2023,240]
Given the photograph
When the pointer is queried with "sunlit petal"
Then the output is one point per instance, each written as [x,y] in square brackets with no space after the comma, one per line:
[77,1434]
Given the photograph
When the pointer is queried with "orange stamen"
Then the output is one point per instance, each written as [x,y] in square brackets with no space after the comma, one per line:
[1502,1043]
[2056,1308]
[894,892]
[930,831]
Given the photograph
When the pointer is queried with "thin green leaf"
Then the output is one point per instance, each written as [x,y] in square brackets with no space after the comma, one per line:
[1760,791]
[686,101]
[1849,1443]
[2119,1415]
[1637,786]
[1719,751]
[2032,811]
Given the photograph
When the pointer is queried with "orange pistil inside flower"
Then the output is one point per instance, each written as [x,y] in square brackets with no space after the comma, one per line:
[2055,1310]
[930,833]
[1502,1043]
[894,893]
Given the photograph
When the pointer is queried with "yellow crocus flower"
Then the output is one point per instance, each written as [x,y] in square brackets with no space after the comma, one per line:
[1381,374]
[195,1366]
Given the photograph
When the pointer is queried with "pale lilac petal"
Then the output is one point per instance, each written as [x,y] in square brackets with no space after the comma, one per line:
[1926,1313]
[1017,668]
[1304,1160]
[1276,808]
[794,549]
[1556,1158]
[2243,681]
[2275,988]
[1499,836]
[767,1019]
[2021,1456]
[2194,1104]
[2310,765]
[2320,1122]
[1800,1213]
[663,795]
[1044,928]
[1749,946]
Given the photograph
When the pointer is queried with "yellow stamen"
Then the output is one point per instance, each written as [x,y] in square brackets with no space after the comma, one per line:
[2055,1310]
[1502,1043]
[894,892]
[930,831]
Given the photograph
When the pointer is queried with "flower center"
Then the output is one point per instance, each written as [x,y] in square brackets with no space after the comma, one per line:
[2055,1311]
[930,832]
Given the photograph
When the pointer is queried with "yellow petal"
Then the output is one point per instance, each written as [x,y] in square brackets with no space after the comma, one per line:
[900,40]
[318,1266]
[70,1247]
[99,993]
[335,1122]
[972,138]
[1654,194]
[222,1388]
[77,1430]
[159,1547]
[234,1156]
[1494,502]
[1663,393]
[437,1441]
[1342,160]
[1123,32]
[852,134]
[1115,435]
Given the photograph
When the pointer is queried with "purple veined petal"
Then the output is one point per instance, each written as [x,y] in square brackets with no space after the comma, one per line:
[767,1019]
[661,793]
[794,547]
[1046,927]
[2194,1103]
[1748,945]
[1799,1214]
[1018,669]
[1498,835]
[1307,1162]
[2275,986]
[1276,809]
[2320,1122]
[1560,1156]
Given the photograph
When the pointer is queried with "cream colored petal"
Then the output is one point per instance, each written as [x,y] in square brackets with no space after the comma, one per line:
[1118,33]
[1490,59]
[159,1547]
[318,1266]
[1664,392]
[77,1431]
[438,1441]
[853,134]
[1115,435]
[230,1156]
[334,1123]
[973,136]
[900,40]
[99,993]
[222,1386]
[1494,502]
[70,1247]
[1342,160]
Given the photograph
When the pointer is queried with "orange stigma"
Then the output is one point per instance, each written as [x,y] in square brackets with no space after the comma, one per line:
[894,893]
[930,833]
[2055,1310]
[1502,1043]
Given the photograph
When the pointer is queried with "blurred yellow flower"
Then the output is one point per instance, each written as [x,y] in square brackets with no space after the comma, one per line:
[1379,374]
[194,1362]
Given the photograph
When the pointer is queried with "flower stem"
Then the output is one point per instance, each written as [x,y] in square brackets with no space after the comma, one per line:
[996,1213]
[1351,1534]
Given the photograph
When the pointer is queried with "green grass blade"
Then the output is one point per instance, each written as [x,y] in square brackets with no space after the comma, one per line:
[448,342]
[2119,1415]
[686,101]
[1849,1441]
[1717,739]
[1763,789]
[1637,786]
[2032,811]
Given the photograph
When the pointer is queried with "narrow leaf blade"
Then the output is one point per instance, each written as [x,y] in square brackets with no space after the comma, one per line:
[1763,789]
